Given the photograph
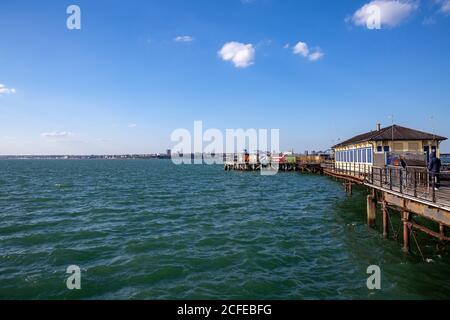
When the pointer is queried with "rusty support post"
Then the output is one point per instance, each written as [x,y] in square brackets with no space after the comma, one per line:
[385,219]
[442,230]
[406,232]
[371,211]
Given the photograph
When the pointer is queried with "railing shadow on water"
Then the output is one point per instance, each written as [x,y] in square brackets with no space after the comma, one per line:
[415,182]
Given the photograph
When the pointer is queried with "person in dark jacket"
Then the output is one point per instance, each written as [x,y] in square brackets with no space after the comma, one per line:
[404,166]
[403,162]
[434,167]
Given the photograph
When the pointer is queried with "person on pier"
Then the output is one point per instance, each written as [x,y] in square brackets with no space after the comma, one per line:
[434,167]
[404,166]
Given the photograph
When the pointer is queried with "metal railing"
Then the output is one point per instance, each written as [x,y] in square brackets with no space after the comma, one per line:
[417,182]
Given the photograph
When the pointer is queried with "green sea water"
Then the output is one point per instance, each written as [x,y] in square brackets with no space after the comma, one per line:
[153,230]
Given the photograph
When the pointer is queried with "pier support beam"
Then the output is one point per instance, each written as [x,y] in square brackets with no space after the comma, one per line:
[406,232]
[442,229]
[385,219]
[348,186]
[371,211]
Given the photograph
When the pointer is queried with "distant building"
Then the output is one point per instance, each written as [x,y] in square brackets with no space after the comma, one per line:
[445,158]
[376,148]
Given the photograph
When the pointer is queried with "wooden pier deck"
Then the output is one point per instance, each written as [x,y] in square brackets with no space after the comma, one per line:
[281,167]
[411,183]
[408,191]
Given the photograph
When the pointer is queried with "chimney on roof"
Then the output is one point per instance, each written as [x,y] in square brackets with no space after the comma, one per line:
[378,126]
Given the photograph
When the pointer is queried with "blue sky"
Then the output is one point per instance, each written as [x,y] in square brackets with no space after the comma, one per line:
[137,70]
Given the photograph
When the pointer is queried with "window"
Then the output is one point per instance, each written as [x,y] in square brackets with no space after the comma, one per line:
[364,155]
[413,146]
[398,146]
[369,155]
[386,149]
[379,149]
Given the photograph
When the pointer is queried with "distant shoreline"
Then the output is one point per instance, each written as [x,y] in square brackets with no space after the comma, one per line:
[85,157]
[113,157]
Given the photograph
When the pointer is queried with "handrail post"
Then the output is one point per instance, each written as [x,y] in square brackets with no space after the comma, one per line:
[415,184]
[386,176]
[433,187]
[390,178]
[401,180]
[372,175]
[381,177]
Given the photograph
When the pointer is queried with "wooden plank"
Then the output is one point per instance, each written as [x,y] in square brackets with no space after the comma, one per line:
[432,213]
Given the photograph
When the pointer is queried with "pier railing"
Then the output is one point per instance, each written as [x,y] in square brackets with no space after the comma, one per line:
[416,182]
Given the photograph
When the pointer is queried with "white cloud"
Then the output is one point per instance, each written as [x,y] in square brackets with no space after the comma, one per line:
[286,46]
[5,90]
[183,39]
[57,134]
[241,55]
[302,49]
[445,6]
[392,12]
[132,125]
[316,55]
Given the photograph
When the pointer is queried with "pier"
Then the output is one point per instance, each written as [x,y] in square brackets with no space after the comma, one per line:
[408,192]
[391,164]
[299,163]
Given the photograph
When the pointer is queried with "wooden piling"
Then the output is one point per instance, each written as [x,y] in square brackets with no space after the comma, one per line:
[371,211]
[406,232]
[385,219]
[442,230]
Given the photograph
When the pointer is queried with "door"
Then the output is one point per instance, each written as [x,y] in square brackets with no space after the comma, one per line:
[426,150]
